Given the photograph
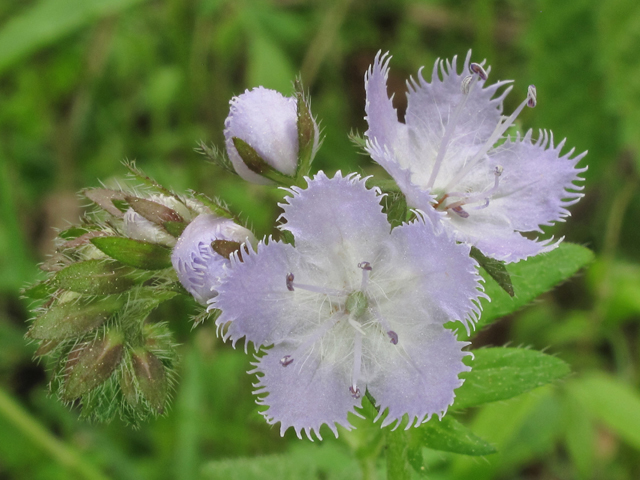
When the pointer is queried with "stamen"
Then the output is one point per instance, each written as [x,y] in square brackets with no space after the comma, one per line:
[478,70]
[366,268]
[495,136]
[466,84]
[385,326]
[460,212]
[357,365]
[312,288]
[286,360]
[532,96]
[468,198]
[312,339]
[450,128]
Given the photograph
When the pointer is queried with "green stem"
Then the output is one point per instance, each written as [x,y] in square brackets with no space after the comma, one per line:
[41,437]
[398,467]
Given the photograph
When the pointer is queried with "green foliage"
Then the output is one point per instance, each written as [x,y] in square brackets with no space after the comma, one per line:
[448,435]
[502,373]
[531,278]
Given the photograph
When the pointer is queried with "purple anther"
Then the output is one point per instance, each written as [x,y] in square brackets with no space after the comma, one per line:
[498,170]
[365,266]
[354,393]
[290,283]
[393,336]
[478,70]
[459,210]
[286,360]
[466,82]
[532,96]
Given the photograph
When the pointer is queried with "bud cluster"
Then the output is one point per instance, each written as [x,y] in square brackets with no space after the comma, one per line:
[106,277]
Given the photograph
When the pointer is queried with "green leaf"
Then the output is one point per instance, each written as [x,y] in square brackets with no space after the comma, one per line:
[73,319]
[495,269]
[144,255]
[175,229]
[47,21]
[449,435]
[531,278]
[38,291]
[94,277]
[611,401]
[72,233]
[218,207]
[501,373]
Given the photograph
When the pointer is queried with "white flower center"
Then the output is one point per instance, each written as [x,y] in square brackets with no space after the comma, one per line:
[357,308]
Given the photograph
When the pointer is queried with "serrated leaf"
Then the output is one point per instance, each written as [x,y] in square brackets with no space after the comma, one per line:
[531,278]
[74,318]
[449,435]
[135,253]
[611,401]
[502,373]
[94,277]
[495,268]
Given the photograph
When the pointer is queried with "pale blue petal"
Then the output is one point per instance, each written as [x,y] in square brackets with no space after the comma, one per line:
[335,217]
[419,375]
[304,395]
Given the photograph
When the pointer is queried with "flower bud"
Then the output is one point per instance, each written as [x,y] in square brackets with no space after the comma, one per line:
[263,133]
[198,265]
[150,374]
[145,219]
[90,364]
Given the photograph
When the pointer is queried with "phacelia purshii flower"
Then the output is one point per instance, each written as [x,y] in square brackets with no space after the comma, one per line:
[354,306]
[451,155]
[203,250]
[265,129]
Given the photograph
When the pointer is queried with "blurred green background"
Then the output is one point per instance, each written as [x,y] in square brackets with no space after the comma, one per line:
[86,84]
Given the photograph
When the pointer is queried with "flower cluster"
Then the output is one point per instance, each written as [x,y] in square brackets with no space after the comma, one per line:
[350,299]
[348,305]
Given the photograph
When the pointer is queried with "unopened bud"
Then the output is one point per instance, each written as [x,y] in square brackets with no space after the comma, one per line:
[263,133]
[146,219]
[91,364]
[198,264]
[151,377]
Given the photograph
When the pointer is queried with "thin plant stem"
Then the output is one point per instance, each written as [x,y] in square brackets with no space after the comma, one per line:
[398,467]
[43,439]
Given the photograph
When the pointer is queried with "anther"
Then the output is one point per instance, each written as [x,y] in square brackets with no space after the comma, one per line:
[365,266]
[290,283]
[286,360]
[355,393]
[478,70]
[466,83]
[460,211]
[498,170]
[393,336]
[531,96]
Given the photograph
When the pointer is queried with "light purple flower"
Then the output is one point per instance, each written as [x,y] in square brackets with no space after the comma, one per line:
[268,122]
[354,306]
[198,266]
[450,155]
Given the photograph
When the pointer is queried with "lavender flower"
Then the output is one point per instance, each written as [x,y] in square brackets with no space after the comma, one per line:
[198,265]
[449,156]
[354,306]
[267,122]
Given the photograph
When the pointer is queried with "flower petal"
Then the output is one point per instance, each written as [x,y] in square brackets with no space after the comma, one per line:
[417,376]
[536,183]
[335,217]
[434,279]
[304,395]
[254,298]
